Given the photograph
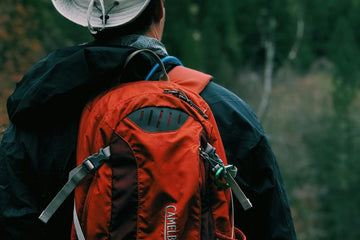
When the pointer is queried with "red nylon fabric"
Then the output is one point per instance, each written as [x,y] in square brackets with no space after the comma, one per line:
[189,78]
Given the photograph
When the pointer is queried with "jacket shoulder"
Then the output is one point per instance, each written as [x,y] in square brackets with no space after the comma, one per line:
[229,107]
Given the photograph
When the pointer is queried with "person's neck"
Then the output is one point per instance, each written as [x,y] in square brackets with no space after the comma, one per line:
[155,31]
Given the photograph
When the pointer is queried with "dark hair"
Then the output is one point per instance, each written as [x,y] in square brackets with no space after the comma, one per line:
[139,25]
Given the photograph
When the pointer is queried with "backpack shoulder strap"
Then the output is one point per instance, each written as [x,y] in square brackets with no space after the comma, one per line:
[189,78]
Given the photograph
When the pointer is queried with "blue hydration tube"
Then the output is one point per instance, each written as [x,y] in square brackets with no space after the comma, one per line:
[164,60]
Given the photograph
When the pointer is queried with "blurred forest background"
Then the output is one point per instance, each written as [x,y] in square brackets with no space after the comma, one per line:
[295,62]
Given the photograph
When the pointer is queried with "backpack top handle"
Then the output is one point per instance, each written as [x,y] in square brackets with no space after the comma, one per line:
[164,76]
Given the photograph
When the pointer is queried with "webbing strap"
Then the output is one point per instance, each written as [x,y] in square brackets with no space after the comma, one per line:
[76,175]
[239,194]
[78,230]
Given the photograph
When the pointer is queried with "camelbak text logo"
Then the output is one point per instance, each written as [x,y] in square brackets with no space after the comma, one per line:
[170,223]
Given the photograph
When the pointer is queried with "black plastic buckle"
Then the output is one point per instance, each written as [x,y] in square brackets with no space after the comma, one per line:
[95,161]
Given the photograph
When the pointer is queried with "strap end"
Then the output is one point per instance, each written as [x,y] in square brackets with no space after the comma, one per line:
[246,204]
[44,217]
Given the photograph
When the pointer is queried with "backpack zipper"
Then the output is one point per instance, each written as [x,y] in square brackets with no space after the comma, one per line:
[181,95]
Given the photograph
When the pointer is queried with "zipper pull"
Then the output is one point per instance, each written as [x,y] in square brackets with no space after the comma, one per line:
[173,92]
[181,95]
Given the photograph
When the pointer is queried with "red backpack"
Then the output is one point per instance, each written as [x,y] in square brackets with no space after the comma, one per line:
[157,175]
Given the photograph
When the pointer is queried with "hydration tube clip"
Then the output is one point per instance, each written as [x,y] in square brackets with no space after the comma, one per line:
[224,173]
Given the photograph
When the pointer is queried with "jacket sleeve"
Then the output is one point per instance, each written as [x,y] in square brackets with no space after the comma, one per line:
[258,175]
[25,188]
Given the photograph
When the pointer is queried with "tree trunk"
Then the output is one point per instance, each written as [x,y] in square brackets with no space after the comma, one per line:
[268,75]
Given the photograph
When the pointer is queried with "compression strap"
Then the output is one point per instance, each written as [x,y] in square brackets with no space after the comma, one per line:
[89,165]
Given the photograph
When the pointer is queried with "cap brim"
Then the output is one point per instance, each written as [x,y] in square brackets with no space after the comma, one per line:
[76,11]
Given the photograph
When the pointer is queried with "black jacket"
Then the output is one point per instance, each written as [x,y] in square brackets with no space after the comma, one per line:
[38,148]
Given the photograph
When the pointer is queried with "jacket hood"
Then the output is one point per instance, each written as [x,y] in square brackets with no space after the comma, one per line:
[56,89]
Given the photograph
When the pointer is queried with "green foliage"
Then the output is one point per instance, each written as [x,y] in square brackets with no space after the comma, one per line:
[345,54]
[340,161]
[199,31]
[335,156]
[223,38]
[333,147]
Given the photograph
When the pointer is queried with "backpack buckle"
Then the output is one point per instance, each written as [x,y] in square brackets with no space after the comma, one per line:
[95,161]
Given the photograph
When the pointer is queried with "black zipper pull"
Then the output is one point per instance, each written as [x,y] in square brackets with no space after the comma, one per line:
[180,94]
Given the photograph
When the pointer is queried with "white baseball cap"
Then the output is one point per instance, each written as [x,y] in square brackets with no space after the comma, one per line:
[90,12]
